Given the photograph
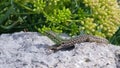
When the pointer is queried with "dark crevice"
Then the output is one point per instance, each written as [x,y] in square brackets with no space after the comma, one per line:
[117,58]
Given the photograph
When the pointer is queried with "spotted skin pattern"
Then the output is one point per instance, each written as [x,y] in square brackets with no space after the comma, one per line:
[82,38]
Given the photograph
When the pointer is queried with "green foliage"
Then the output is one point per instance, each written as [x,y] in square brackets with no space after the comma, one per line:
[14,15]
[96,17]
[106,16]
[115,39]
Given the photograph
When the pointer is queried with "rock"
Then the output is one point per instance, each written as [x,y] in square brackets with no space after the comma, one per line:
[29,50]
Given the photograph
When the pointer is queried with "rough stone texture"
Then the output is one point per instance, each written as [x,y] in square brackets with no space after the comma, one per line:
[29,50]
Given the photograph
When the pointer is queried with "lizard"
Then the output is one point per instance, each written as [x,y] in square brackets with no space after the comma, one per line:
[65,44]
[53,36]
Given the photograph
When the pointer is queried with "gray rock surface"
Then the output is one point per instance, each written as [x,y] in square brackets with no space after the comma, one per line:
[29,50]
